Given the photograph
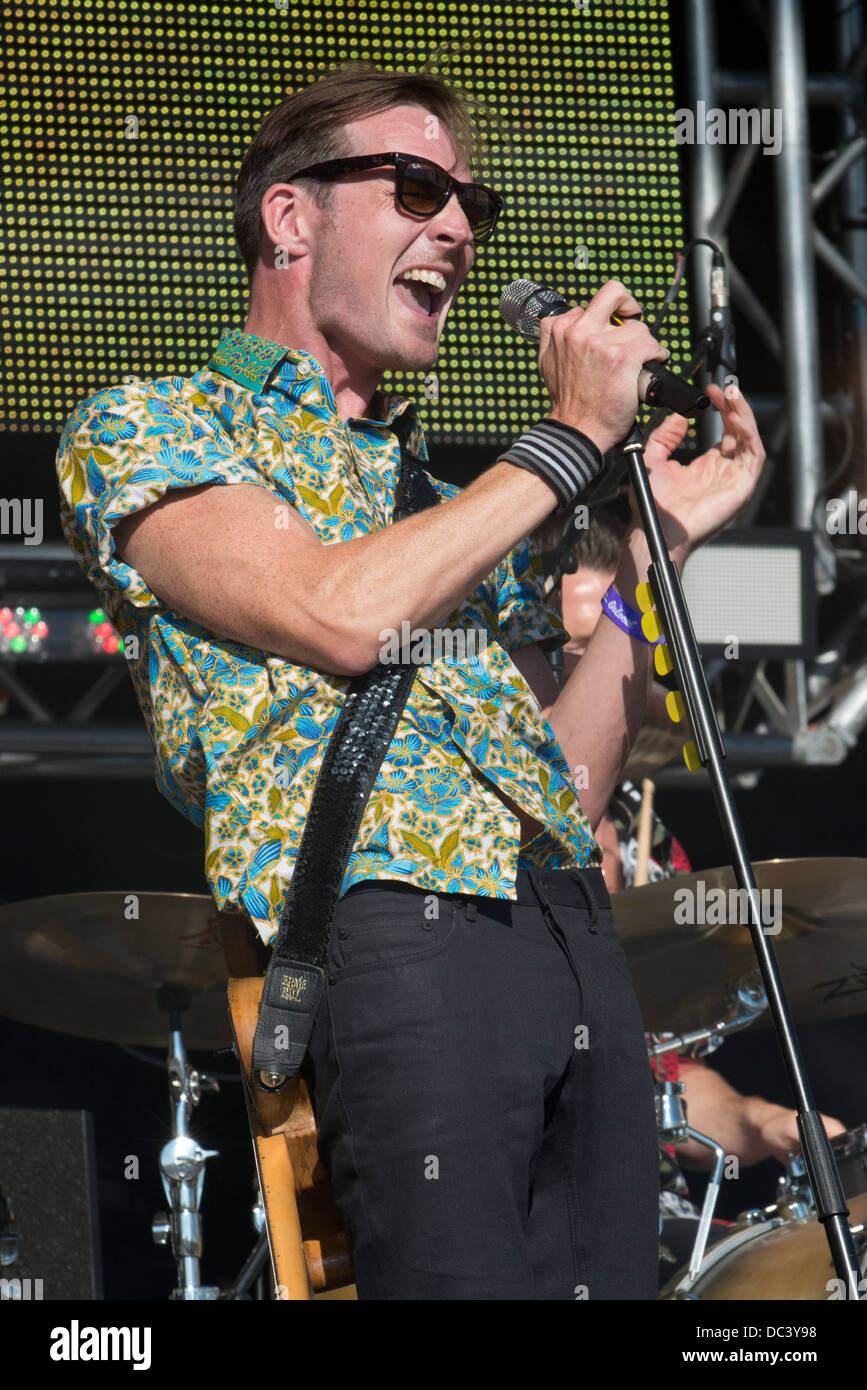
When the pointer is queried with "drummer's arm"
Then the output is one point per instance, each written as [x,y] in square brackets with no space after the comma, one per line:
[747,1126]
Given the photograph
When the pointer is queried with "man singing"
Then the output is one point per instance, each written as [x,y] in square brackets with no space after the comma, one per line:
[477,1066]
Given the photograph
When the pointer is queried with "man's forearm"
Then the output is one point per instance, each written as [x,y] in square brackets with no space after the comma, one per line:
[599,711]
[420,569]
[716,1109]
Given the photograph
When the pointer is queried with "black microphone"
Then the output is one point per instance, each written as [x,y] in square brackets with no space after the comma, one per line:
[525,302]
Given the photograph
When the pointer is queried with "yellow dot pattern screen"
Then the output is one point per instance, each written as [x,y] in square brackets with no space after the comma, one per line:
[122,127]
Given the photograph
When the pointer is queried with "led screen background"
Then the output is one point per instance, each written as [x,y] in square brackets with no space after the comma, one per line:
[123,127]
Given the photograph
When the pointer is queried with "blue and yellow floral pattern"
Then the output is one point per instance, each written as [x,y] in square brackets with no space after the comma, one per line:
[239,733]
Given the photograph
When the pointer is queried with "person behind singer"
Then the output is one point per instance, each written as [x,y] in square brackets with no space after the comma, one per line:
[239,523]
[749,1127]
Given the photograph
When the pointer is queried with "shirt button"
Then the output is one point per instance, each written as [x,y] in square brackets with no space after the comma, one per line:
[341,932]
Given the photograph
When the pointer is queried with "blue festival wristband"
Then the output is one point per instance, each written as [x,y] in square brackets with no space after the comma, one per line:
[626,618]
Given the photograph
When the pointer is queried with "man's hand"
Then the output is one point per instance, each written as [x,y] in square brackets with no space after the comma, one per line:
[591,366]
[695,502]
[749,1126]
[776,1128]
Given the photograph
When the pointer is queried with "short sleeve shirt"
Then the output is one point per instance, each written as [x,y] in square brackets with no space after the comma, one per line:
[239,733]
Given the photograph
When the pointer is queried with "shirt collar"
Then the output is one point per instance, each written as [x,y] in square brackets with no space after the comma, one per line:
[259,365]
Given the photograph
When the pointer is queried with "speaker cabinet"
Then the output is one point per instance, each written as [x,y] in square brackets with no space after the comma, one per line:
[49,1217]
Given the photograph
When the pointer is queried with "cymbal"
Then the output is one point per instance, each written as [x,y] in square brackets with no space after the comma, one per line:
[653,748]
[80,964]
[684,973]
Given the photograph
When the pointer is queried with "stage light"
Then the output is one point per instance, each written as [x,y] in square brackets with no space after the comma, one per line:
[752,595]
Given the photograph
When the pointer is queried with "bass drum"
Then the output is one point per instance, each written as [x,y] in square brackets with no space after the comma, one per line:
[778,1258]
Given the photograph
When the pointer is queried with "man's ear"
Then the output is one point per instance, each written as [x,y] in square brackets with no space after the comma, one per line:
[287,224]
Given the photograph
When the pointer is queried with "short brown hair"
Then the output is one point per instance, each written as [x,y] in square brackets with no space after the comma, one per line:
[310,127]
[597,547]
[594,547]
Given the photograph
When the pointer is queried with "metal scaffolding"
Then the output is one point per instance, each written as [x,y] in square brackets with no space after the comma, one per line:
[809,715]
[782,713]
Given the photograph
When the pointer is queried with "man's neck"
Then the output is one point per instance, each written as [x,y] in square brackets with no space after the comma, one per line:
[275,328]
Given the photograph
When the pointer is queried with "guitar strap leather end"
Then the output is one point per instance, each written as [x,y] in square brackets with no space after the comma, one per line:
[290,1000]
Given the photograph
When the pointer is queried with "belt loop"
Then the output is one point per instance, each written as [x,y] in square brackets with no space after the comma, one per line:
[533,876]
[471,911]
[589,898]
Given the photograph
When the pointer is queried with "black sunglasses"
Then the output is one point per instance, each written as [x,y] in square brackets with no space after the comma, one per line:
[422,187]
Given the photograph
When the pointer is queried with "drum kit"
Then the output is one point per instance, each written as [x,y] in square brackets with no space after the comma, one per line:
[140,970]
[696,984]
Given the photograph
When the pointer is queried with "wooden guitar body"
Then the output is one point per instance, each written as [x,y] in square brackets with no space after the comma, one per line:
[309,1251]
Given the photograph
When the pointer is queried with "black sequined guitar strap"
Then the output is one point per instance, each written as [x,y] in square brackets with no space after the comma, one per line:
[365,727]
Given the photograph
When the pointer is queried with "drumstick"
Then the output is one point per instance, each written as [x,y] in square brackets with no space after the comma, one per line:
[645,829]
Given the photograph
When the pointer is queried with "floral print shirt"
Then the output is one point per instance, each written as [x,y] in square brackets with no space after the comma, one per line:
[239,733]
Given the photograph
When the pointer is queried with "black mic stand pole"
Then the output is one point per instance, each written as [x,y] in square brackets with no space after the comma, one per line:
[665,586]
[562,562]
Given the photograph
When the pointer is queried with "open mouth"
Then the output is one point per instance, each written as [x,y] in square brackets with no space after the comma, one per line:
[418,298]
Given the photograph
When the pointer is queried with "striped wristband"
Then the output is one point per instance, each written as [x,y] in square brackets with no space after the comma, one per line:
[561,455]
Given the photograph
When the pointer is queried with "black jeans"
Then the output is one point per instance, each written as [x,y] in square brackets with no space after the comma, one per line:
[483,1096]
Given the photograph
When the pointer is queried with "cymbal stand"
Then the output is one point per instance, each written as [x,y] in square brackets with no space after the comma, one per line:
[182,1160]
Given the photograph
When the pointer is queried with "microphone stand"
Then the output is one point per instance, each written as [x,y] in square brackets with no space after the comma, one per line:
[665,586]
[562,562]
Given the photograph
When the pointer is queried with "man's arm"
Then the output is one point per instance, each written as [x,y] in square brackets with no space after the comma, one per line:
[597,714]
[532,662]
[223,561]
[599,711]
[748,1126]
[218,555]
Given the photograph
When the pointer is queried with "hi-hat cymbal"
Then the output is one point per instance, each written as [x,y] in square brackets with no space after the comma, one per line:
[80,963]
[684,970]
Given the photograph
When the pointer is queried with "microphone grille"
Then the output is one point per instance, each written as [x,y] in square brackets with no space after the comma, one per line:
[521,302]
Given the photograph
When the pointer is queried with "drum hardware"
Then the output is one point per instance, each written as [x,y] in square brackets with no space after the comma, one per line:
[748,1001]
[850,1154]
[86,937]
[768,1255]
[182,1160]
[253,1267]
[682,1288]
[672,1127]
[789,1211]
[681,969]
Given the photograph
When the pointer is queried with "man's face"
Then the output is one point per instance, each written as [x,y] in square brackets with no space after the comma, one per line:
[582,595]
[367,240]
